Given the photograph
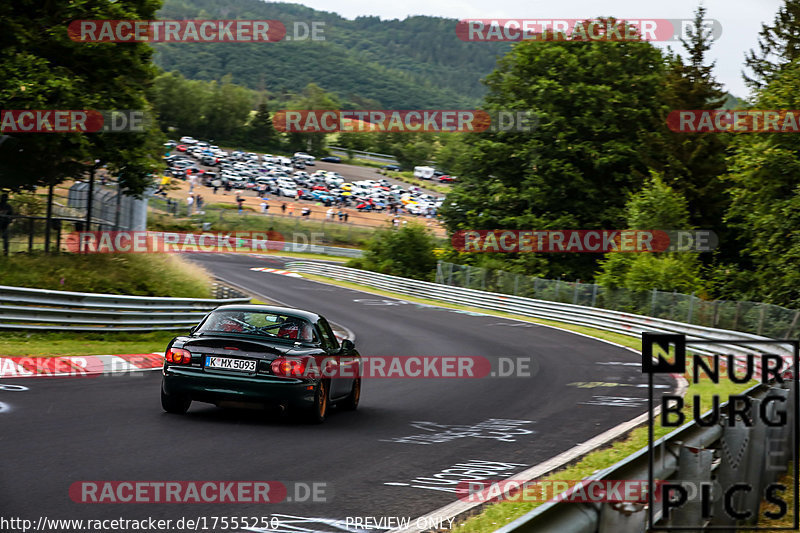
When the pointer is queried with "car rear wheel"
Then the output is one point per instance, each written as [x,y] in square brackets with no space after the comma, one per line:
[319,411]
[351,402]
[175,404]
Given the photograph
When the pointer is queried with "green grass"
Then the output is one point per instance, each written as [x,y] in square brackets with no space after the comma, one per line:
[499,514]
[334,234]
[408,177]
[133,274]
[54,344]
[788,496]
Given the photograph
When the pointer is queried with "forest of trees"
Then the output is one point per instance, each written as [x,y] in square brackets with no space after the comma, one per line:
[415,63]
[600,156]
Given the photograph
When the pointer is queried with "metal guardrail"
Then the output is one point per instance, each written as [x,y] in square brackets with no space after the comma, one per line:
[39,309]
[614,321]
[370,156]
[690,453]
[695,456]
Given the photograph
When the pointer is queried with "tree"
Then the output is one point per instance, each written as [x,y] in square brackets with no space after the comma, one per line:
[262,132]
[656,206]
[406,252]
[765,204]
[778,45]
[42,68]
[595,102]
[227,110]
[312,97]
[693,163]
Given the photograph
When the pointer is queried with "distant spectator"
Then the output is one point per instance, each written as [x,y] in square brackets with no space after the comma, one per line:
[216,188]
[306,212]
[264,206]
[346,216]
[329,214]
[341,215]
[200,202]
[189,204]
[6,212]
[283,208]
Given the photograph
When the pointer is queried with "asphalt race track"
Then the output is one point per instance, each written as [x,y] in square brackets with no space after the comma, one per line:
[112,428]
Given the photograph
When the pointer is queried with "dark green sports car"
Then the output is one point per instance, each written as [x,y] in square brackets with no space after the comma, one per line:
[261,356]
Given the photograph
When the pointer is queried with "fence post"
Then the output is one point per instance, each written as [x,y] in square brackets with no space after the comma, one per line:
[30,234]
[736,315]
[450,276]
[575,295]
[466,278]
[762,309]
[691,305]
[653,304]
[793,324]
[558,286]
[594,294]
[516,284]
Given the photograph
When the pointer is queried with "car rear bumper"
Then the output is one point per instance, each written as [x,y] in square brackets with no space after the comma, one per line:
[216,388]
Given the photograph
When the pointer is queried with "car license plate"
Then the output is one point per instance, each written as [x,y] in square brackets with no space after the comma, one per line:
[228,363]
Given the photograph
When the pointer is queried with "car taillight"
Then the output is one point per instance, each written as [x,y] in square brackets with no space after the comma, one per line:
[293,368]
[179,356]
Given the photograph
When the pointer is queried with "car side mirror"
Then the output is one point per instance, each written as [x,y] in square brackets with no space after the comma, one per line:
[348,345]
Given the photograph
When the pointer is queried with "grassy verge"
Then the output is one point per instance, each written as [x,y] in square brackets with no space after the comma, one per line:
[59,344]
[787,522]
[55,344]
[133,274]
[363,162]
[408,177]
[328,233]
[497,515]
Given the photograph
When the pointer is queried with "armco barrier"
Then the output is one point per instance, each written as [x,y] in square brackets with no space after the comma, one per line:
[691,452]
[615,321]
[38,309]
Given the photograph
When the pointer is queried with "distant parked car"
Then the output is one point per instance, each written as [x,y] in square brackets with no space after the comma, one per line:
[394,168]
[447,179]
[331,159]
[181,147]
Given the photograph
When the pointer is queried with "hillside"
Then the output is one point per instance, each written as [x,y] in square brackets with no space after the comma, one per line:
[413,63]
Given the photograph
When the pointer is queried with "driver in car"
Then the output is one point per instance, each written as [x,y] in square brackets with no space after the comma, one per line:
[296,330]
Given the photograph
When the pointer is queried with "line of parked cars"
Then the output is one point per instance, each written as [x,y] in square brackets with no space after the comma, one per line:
[289,177]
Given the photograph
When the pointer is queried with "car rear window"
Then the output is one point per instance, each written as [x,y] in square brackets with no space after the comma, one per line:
[259,323]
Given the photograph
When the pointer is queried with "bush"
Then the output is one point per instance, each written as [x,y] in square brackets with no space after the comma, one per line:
[406,252]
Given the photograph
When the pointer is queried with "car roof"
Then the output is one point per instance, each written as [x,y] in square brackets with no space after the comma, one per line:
[299,313]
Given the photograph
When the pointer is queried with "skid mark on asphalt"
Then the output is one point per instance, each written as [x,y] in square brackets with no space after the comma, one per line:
[499,429]
[616,401]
